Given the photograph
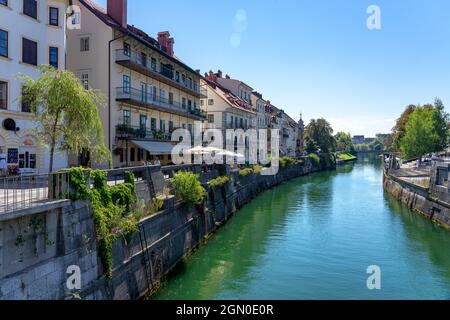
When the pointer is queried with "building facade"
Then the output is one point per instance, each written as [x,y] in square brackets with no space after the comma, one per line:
[225,109]
[31,33]
[149,91]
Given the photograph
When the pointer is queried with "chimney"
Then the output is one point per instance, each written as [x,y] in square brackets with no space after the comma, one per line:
[227,77]
[212,76]
[117,9]
[219,73]
[166,43]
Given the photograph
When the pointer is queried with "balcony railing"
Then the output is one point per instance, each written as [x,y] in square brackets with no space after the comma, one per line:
[137,132]
[150,100]
[134,58]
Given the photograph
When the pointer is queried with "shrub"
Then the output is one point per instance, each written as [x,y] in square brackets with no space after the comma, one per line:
[245,172]
[219,181]
[188,188]
[286,161]
[314,158]
[257,169]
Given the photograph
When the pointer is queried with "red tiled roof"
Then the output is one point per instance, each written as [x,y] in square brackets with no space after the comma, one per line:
[232,99]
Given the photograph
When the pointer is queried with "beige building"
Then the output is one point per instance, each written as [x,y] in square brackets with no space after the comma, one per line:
[150,92]
[260,104]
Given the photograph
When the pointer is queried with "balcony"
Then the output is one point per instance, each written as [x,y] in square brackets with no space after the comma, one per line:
[125,131]
[163,73]
[141,99]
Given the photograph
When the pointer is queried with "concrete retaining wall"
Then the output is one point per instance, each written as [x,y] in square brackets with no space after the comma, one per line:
[418,199]
[34,260]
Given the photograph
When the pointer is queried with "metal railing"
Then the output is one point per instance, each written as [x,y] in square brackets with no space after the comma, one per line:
[138,132]
[22,192]
[167,71]
[125,93]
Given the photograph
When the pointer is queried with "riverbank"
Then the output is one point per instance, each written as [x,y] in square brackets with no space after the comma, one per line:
[418,198]
[343,158]
[40,243]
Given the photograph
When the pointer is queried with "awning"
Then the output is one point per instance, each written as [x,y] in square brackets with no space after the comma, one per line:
[154,147]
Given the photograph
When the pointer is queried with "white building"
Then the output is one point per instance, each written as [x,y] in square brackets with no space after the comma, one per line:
[31,33]
[225,109]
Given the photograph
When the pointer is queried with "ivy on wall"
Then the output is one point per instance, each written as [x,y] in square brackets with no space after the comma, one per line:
[111,208]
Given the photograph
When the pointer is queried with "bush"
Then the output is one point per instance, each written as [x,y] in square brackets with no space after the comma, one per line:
[188,188]
[245,172]
[219,181]
[257,169]
[314,158]
[286,161]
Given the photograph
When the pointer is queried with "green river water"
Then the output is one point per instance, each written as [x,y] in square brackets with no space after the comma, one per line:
[314,238]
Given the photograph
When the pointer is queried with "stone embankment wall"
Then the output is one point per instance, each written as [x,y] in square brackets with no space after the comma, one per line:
[40,248]
[420,199]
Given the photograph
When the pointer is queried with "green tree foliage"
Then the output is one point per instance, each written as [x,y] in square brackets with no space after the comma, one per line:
[311,145]
[66,113]
[321,132]
[398,132]
[188,188]
[441,124]
[424,132]
[344,142]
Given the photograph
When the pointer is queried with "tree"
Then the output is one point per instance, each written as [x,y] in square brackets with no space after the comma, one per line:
[441,124]
[420,134]
[398,131]
[311,145]
[321,132]
[66,113]
[344,142]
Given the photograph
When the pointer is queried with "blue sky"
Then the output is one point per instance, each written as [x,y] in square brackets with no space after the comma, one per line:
[316,57]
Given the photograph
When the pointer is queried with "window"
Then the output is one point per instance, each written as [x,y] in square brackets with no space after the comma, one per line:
[153,64]
[162,95]
[144,59]
[132,155]
[170,98]
[53,57]
[177,76]
[85,80]
[121,152]
[4,2]
[189,104]
[126,84]
[190,128]
[210,118]
[127,117]
[126,49]
[210,102]
[29,52]
[27,160]
[143,121]
[183,78]
[3,43]
[183,103]
[25,106]
[30,8]
[170,126]
[53,16]
[84,44]
[162,125]
[153,124]
[232,121]
[202,102]
[3,95]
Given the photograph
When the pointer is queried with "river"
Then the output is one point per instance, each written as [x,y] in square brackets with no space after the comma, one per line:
[314,238]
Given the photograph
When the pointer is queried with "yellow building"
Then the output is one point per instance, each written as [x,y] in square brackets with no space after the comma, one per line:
[149,91]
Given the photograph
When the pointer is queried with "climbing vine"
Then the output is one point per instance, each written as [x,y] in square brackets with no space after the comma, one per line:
[111,208]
